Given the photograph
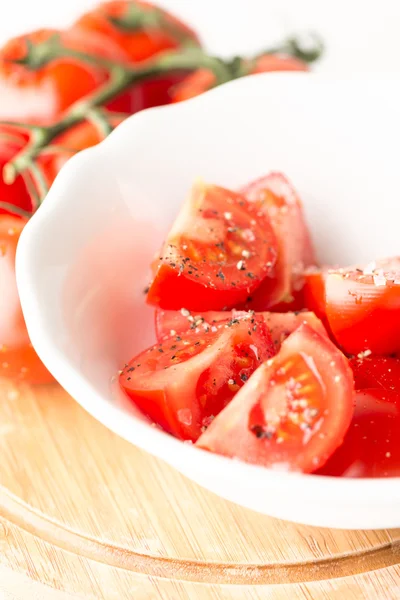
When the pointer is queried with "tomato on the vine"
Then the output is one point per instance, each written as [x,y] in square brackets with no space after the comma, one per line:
[18,359]
[142,31]
[184,382]
[12,141]
[371,446]
[293,412]
[37,85]
[376,372]
[217,252]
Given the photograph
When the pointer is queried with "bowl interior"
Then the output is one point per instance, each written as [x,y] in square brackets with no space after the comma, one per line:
[84,259]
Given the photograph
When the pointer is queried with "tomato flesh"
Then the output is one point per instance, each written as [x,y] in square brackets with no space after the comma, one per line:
[276,197]
[294,411]
[280,325]
[363,307]
[183,383]
[218,251]
[371,446]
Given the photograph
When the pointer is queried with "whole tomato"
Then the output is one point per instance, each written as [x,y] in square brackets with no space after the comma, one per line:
[76,138]
[203,80]
[141,31]
[37,89]
[12,140]
[18,359]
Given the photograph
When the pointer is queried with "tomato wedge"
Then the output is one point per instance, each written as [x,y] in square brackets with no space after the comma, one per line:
[371,446]
[218,251]
[376,372]
[363,307]
[294,411]
[184,382]
[277,198]
[280,325]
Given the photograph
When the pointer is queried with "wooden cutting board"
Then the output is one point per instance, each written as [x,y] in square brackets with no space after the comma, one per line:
[89,515]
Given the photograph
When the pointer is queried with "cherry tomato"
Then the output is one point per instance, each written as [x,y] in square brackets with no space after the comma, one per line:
[294,411]
[275,196]
[81,136]
[141,30]
[371,446]
[313,291]
[12,140]
[184,382]
[18,359]
[203,80]
[218,251]
[280,325]
[376,372]
[33,93]
[138,28]
[363,307]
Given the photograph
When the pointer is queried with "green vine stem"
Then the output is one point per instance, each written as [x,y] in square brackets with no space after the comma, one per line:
[121,76]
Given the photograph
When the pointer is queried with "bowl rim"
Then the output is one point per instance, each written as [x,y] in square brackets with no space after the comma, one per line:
[148,437]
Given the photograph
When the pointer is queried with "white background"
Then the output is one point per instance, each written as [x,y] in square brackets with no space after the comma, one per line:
[362,35]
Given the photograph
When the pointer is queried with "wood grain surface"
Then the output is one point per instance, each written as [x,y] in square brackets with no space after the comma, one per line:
[85,513]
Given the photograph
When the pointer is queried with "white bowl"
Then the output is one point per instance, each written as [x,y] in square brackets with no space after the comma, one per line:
[83,259]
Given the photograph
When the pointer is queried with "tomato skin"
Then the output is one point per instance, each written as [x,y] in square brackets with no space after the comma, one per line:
[41,94]
[194,84]
[217,252]
[278,62]
[363,308]
[278,199]
[18,360]
[376,372]
[371,446]
[280,325]
[271,423]
[184,382]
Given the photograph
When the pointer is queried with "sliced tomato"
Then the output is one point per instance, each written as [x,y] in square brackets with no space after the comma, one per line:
[313,291]
[183,383]
[294,411]
[371,446]
[277,198]
[363,307]
[280,325]
[218,251]
[376,372]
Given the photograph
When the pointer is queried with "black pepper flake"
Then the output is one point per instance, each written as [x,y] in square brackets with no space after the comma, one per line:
[249,332]
[178,338]
[359,270]
[128,378]
[173,347]
[297,312]
[172,357]
[146,289]
[260,432]
[249,299]
[220,275]
[160,350]
[244,376]
[232,322]
[131,369]
[250,275]
[197,343]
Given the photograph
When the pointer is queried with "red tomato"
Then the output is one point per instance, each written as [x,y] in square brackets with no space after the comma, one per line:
[18,360]
[40,94]
[278,62]
[363,307]
[294,411]
[138,28]
[12,140]
[81,136]
[141,31]
[280,325]
[184,382]
[376,372]
[371,446]
[280,202]
[202,80]
[313,291]
[218,251]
